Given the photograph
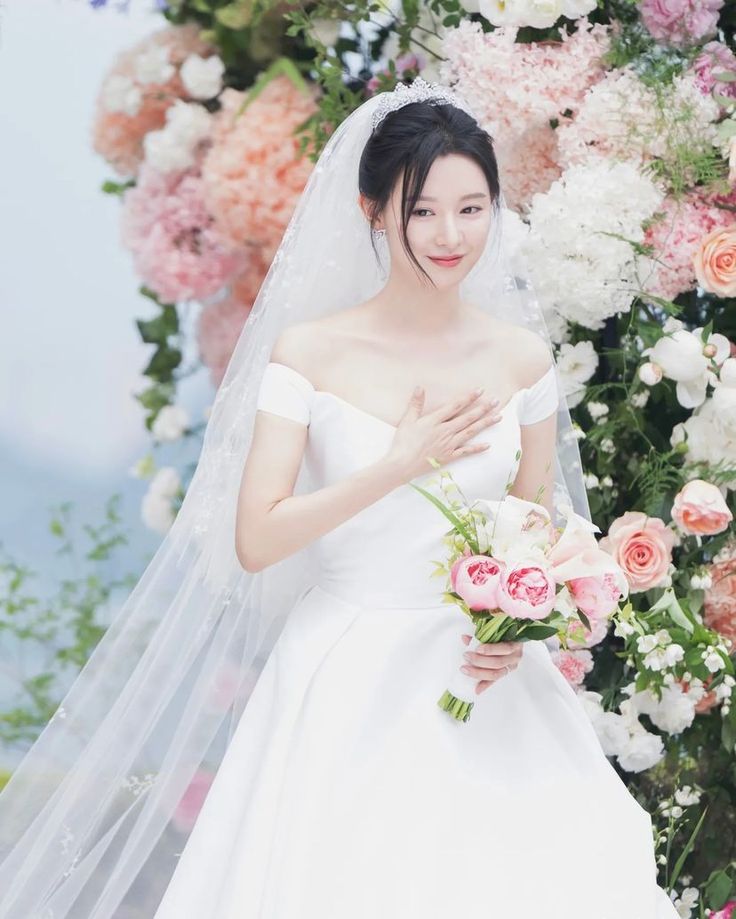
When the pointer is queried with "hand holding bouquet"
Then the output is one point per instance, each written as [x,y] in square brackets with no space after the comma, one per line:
[518,578]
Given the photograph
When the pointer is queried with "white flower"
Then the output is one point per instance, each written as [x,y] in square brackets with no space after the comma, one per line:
[165,153]
[709,437]
[170,423]
[121,94]
[188,122]
[679,355]
[650,373]
[687,795]
[663,637]
[591,480]
[166,482]
[607,481]
[701,581]
[171,148]
[326,30]
[152,65]
[540,14]
[714,662]
[157,512]
[202,77]
[646,643]
[640,399]
[597,410]
[607,445]
[675,711]
[623,629]
[143,468]
[643,751]
[576,364]
[686,902]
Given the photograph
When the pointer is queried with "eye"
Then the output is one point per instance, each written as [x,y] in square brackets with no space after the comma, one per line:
[477,208]
[418,209]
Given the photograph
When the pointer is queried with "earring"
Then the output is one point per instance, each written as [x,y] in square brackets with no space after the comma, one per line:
[378,234]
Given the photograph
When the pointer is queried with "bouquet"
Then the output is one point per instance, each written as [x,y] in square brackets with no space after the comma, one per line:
[519,578]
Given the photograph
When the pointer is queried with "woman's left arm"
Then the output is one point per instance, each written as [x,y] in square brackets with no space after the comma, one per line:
[535,477]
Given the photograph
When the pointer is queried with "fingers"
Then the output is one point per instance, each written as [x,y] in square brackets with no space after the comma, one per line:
[452,409]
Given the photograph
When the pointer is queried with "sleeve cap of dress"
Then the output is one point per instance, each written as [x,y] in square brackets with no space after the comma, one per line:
[540,399]
[283,391]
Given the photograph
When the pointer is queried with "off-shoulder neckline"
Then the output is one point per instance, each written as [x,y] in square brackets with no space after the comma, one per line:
[367,414]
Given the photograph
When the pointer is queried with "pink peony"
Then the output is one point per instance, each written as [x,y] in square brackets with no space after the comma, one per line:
[573,665]
[578,636]
[176,247]
[476,578]
[715,58]
[719,603]
[188,808]
[597,597]
[527,590]
[681,23]
[699,509]
[253,173]
[642,546]
[117,136]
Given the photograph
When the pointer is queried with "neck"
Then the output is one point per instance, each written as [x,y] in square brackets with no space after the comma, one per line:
[404,306]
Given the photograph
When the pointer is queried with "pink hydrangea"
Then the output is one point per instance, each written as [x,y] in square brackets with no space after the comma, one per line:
[517,88]
[719,607]
[177,250]
[681,23]
[117,136]
[675,238]
[220,324]
[254,174]
[715,57]
[187,810]
[573,665]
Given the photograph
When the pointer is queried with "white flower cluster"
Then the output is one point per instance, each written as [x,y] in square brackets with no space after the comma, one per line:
[659,650]
[623,735]
[575,252]
[592,481]
[173,147]
[170,423]
[598,410]
[539,14]
[202,76]
[686,902]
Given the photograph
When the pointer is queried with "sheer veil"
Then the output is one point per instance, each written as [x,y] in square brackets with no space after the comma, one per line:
[91,821]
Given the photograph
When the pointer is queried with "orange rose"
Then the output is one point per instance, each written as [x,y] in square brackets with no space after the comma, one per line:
[715,262]
[642,546]
[699,509]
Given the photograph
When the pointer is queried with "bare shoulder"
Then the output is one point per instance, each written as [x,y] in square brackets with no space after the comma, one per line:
[302,346]
[531,352]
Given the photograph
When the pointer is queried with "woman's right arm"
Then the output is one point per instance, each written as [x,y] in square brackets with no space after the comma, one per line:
[273,523]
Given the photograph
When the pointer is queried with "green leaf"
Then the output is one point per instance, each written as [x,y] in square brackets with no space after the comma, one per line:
[718,889]
[454,520]
[686,851]
[235,15]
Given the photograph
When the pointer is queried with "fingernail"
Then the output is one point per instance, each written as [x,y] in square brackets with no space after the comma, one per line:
[465,669]
[467,655]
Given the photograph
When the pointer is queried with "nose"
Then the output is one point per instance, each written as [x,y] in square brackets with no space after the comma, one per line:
[449,234]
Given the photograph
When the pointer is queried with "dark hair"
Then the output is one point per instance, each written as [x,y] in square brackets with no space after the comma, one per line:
[409,139]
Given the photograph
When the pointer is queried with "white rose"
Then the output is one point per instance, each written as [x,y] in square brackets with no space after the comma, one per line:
[121,94]
[643,751]
[152,65]
[202,77]
[170,423]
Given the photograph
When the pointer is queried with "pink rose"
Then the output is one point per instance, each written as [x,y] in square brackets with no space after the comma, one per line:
[476,579]
[715,262]
[699,509]
[526,591]
[597,596]
[642,546]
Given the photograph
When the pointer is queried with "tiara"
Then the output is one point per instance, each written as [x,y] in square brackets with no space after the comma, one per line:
[418,91]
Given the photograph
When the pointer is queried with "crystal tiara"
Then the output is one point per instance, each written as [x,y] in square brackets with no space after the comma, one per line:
[418,91]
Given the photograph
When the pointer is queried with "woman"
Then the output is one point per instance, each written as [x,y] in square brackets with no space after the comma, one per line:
[300,563]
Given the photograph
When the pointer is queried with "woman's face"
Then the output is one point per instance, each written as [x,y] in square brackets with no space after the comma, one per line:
[452,217]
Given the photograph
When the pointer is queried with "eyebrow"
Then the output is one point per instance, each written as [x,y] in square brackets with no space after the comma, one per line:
[477,194]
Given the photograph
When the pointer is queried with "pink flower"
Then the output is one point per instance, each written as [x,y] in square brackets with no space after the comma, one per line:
[176,247]
[715,58]
[573,665]
[597,596]
[719,602]
[578,636]
[188,808]
[681,23]
[476,579]
[642,546]
[699,509]
[527,590]
[726,912]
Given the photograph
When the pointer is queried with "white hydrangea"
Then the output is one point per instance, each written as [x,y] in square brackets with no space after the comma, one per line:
[170,423]
[152,65]
[202,76]
[586,274]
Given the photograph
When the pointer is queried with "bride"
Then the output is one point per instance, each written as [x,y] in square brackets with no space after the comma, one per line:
[257,735]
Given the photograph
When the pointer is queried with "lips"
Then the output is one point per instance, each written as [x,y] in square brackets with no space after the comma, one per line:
[446,262]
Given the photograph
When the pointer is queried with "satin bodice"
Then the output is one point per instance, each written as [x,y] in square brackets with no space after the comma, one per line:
[384,554]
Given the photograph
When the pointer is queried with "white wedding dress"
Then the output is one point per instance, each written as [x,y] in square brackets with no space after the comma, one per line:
[347,793]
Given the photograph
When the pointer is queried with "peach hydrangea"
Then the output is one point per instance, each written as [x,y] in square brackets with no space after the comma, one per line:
[117,135]
[253,173]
